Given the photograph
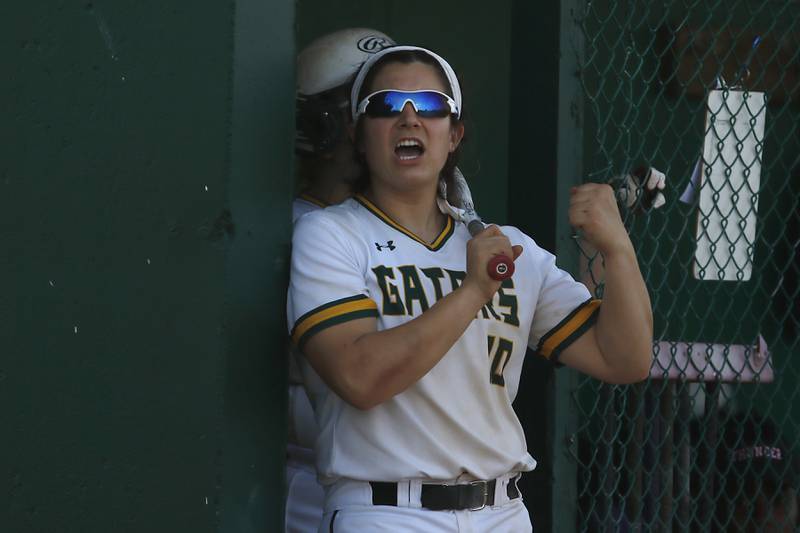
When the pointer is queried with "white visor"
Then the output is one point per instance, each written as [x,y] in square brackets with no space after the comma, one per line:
[455,88]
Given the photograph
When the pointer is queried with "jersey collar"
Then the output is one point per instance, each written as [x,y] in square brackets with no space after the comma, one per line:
[310,199]
[438,242]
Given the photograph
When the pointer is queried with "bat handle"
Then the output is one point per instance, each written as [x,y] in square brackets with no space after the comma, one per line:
[500,267]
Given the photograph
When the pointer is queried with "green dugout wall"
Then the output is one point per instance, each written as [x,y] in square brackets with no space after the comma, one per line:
[145,183]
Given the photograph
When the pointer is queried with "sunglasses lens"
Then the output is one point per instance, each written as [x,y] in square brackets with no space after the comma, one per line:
[428,104]
[384,105]
[431,104]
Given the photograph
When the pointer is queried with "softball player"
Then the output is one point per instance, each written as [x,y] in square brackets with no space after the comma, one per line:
[325,70]
[412,352]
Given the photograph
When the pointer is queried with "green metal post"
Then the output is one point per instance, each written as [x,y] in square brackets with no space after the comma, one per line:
[569,172]
[259,195]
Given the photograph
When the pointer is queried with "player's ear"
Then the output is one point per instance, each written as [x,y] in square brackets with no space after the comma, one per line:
[456,134]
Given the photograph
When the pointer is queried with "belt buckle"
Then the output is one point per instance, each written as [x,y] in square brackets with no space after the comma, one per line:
[485,485]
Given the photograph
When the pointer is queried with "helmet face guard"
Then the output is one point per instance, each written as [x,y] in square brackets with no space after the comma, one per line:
[321,122]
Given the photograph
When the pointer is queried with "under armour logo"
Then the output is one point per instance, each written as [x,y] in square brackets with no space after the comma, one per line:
[389,244]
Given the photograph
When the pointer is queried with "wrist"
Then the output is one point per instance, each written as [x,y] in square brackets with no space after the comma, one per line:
[472,295]
[623,248]
[621,257]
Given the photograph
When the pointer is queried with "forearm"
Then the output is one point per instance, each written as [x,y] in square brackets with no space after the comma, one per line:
[624,328]
[381,364]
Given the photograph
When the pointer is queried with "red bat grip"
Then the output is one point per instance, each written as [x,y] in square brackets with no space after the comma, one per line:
[500,267]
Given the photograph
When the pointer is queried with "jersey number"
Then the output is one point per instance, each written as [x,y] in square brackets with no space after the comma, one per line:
[500,352]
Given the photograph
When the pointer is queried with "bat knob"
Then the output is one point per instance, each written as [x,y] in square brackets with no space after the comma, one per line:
[475,226]
[500,267]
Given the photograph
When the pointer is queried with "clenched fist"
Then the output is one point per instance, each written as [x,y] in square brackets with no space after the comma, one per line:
[480,249]
[593,210]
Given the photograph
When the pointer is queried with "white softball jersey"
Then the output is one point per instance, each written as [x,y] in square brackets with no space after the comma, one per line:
[352,261]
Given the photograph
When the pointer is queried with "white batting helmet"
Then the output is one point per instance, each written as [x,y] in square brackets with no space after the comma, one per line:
[333,59]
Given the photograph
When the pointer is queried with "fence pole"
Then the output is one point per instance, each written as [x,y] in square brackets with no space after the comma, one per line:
[666,419]
[635,413]
[682,438]
[569,171]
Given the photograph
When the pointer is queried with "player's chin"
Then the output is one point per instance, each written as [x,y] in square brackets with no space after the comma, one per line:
[415,181]
[417,173]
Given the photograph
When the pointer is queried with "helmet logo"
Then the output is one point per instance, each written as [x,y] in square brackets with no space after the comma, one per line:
[372,44]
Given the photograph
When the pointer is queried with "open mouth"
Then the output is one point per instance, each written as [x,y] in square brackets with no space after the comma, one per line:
[408,149]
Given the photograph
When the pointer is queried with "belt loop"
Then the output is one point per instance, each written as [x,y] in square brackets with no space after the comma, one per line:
[500,496]
[414,492]
[507,488]
[513,489]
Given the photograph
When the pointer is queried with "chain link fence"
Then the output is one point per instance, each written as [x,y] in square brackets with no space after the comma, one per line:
[708,93]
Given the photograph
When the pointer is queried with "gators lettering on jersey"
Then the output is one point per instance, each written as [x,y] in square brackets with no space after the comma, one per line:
[352,261]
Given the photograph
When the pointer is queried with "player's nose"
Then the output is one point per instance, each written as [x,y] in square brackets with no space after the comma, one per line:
[408,116]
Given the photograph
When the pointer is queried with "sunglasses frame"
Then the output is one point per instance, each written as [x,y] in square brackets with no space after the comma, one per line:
[362,106]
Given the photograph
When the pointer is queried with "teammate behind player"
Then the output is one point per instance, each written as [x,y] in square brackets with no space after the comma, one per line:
[417,352]
[326,170]
[325,70]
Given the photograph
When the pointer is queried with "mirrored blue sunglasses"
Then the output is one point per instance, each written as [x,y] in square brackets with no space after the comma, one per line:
[390,103]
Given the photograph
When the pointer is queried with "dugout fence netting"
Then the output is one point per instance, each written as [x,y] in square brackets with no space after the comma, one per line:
[707,93]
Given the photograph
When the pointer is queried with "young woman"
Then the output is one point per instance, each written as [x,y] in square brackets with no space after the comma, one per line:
[413,352]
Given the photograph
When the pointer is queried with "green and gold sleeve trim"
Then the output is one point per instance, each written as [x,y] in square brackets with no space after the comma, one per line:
[568,330]
[330,314]
[445,234]
[310,199]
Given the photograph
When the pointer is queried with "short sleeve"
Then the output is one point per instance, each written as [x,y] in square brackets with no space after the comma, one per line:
[327,284]
[564,311]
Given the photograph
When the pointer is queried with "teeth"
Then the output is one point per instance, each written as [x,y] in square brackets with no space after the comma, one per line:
[408,142]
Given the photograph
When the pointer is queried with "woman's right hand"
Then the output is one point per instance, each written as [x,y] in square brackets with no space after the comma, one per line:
[480,249]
